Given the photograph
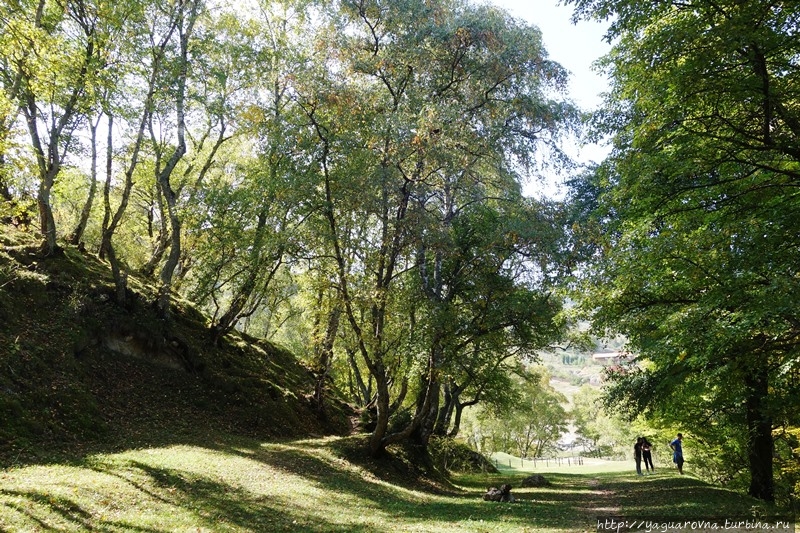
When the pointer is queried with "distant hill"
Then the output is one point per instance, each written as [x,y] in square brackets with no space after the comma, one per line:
[79,373]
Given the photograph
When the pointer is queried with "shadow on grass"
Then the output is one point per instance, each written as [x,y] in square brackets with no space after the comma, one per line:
[573,502]
[668,496]
[69,512]
[334,494]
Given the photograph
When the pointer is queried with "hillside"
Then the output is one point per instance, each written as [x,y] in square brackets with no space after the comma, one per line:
[80,374]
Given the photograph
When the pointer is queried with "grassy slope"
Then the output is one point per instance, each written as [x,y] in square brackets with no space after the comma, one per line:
[79,374]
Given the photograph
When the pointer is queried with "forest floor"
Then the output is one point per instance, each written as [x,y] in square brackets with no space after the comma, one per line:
[239,484]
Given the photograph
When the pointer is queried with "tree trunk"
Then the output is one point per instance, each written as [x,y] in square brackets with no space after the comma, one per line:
[168,269]
[47,222]
[165,174]
[49,165]
[120,277]
[377,445]
[760,446]
[456,427]
[359,389]
[5,192]
[110,223]
[428,411]
[163,238]
[256,265]
[446,409]
[77,233]
[324,350]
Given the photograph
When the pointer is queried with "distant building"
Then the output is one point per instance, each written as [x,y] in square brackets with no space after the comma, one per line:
[610,358]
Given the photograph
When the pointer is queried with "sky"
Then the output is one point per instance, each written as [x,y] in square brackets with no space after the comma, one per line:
[575,47]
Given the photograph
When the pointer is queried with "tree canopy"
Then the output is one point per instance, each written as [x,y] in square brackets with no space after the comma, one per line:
[695,260]
[345,176]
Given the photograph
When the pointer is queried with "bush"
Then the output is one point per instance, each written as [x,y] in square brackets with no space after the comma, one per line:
[450,455]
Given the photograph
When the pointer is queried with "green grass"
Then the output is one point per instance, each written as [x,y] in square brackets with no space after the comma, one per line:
[236,484]
[95,438]
[510,464]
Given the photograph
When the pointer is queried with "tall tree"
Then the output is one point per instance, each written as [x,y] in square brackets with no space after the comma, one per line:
[420,96]
[699,202]
[145,36]
[484,304]
[49,64]
[250,218]
[183,20]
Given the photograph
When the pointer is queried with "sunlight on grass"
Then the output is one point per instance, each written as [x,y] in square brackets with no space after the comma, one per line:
[511,464]
[265,488]
[305,486]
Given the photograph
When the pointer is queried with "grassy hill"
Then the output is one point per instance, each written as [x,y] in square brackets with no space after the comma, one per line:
[80,374]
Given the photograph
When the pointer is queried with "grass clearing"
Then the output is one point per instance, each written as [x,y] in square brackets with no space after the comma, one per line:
[237,484]
[511,464]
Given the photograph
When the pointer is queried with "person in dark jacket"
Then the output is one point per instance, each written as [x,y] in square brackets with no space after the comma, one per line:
[647,455]
[637,455]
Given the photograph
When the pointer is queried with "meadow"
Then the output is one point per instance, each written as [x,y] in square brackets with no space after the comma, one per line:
[238,485]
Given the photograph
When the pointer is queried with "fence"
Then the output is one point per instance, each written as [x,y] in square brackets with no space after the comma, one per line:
[544,461]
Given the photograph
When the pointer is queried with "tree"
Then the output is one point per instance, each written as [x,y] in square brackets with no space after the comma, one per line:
[182,21]
[697,203]
[484,308]
[420,97]
[533,422]
[141,54]
[49,62]
[273,196]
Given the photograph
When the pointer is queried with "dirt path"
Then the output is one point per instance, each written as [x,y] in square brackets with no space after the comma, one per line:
[602,501]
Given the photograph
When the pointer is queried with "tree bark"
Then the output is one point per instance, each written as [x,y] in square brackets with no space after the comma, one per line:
[77,233]
[324,351]
[760,446]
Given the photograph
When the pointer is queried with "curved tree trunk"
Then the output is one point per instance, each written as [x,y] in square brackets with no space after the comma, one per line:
[162,239]
[324,354]
[444,416]
[253,280]
[49,151]
[49,165]
[185,27]
[168,269]
[377,445]
[359,389]
[459,410]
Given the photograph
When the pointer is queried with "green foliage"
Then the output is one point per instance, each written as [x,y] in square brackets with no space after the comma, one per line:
[531,424]
[696,216]
[451,455]
[600,433]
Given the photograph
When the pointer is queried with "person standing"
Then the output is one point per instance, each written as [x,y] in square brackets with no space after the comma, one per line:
[647,455]
[637,455]
[677,452]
